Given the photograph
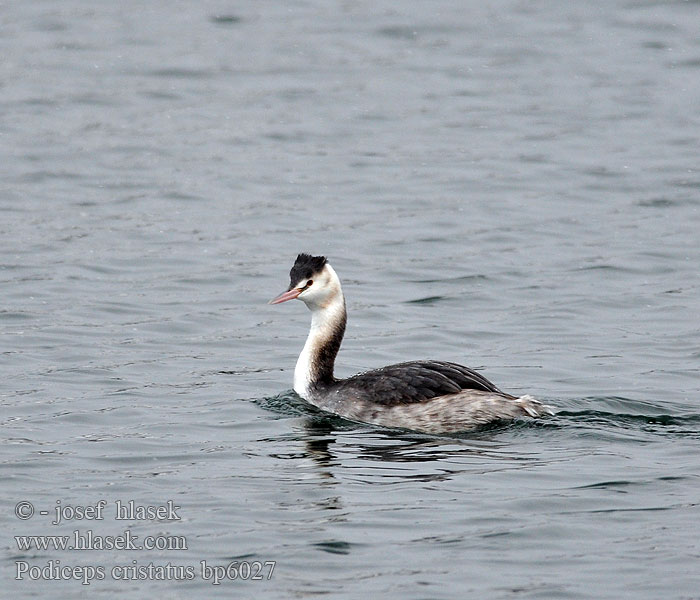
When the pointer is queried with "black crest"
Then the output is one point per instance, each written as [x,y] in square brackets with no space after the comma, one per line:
[305,267]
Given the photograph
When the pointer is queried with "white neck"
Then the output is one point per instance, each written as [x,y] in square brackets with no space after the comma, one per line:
[315,363]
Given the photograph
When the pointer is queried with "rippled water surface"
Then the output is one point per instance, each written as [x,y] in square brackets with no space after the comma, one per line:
[510,185]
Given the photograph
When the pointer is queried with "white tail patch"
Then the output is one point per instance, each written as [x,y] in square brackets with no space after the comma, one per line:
[533,407]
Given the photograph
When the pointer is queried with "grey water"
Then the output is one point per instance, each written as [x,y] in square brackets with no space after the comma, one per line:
[510,185]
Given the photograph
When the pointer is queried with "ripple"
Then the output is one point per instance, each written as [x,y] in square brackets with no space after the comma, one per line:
[228,19]
[398,32]
[336,547]
[181,73]
[426,300]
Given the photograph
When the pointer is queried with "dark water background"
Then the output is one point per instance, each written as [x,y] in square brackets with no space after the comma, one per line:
[510,185]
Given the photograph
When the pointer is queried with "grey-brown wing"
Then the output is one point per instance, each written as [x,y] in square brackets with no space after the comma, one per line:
[415,381]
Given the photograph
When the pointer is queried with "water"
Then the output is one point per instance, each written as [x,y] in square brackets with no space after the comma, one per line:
[513,186]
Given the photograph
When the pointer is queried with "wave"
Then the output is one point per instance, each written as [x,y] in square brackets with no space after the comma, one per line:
[601,414]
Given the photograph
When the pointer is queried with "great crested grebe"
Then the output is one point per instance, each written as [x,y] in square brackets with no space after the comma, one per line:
[423,395]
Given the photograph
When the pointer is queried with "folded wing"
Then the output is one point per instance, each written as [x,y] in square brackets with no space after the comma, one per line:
[417,381]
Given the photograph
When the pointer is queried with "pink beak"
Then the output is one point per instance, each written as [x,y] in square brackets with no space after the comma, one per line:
[284,296]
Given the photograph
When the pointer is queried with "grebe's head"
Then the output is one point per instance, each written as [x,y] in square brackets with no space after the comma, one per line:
[312,280]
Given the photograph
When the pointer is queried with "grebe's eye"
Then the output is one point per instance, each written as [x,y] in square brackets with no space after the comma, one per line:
[309,283]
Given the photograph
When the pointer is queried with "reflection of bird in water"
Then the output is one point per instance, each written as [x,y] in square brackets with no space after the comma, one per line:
[430,396]
[389,456]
